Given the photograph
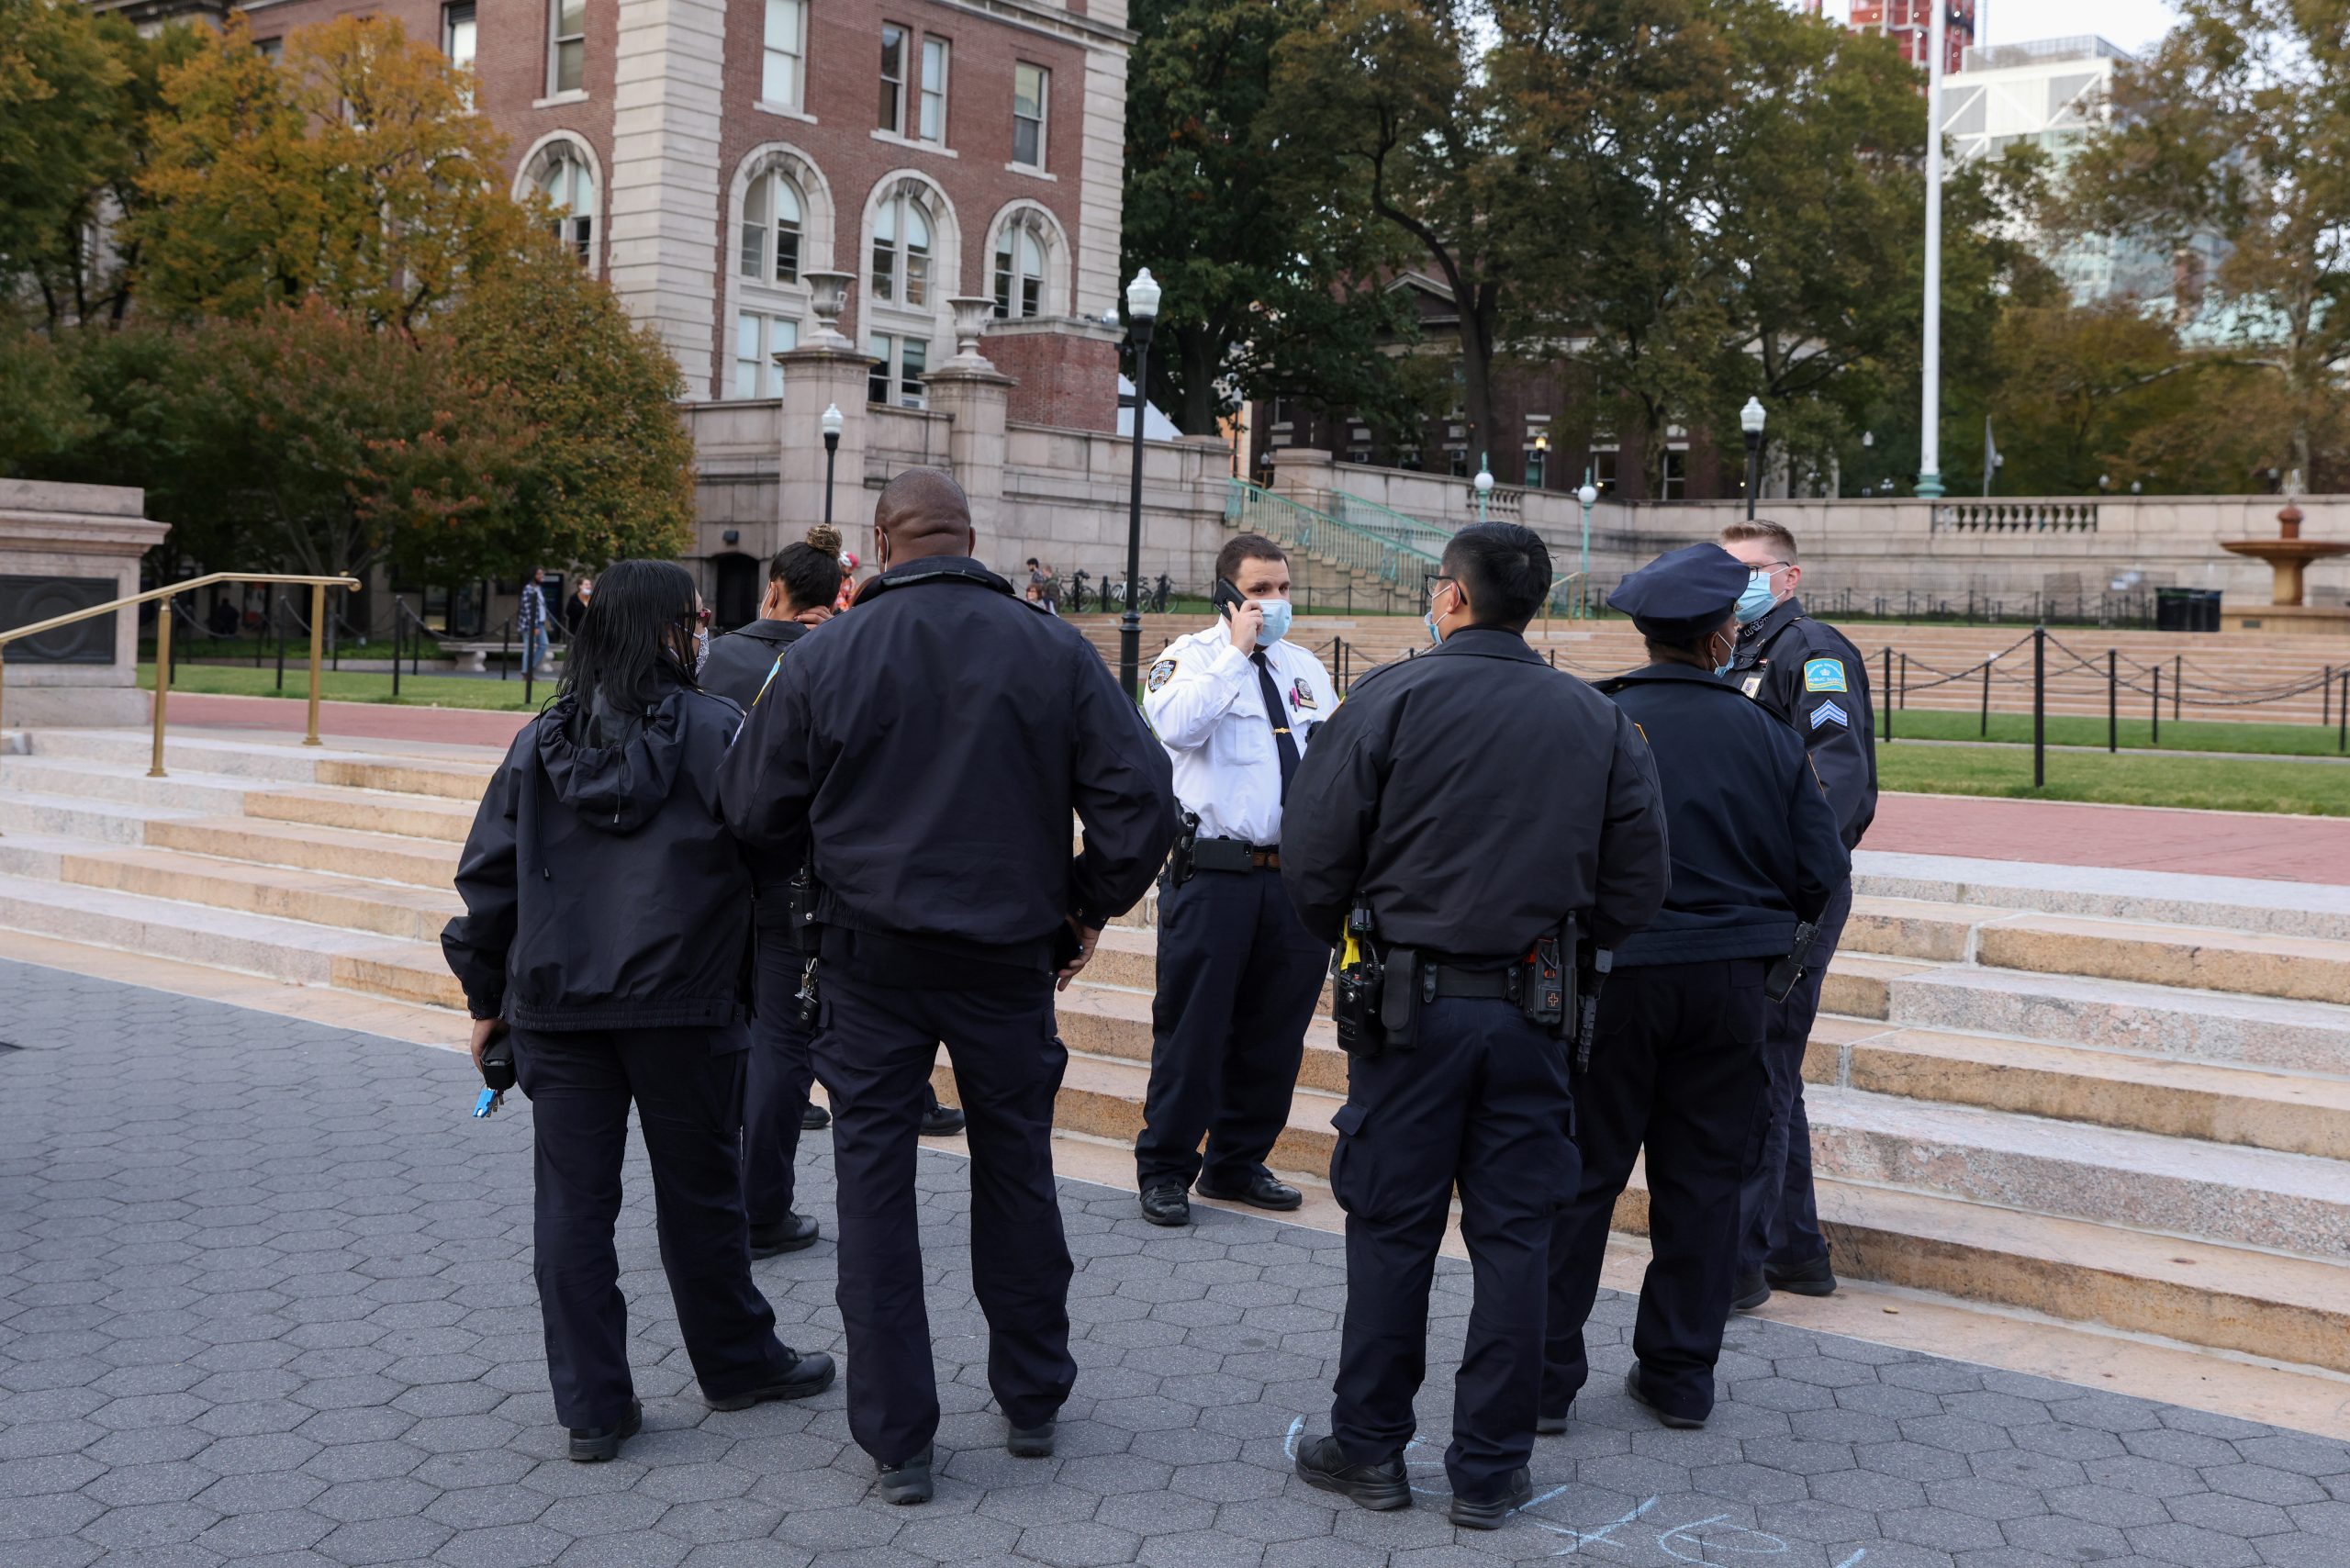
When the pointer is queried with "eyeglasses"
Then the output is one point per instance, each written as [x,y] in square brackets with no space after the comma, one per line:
[1429,584]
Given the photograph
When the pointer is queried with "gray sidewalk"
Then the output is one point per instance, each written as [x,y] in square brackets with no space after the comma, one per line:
[265,1298]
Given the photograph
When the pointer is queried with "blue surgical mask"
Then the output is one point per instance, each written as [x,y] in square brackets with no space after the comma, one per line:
[1277,613]
[1757,600]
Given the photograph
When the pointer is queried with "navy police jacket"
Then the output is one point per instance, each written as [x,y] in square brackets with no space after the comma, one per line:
[1813,678]
[602,889]
[1755,842]
[928,746]
[1475,797]
[740,661]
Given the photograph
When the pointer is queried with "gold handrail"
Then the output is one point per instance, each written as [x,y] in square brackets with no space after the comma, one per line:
[319,587]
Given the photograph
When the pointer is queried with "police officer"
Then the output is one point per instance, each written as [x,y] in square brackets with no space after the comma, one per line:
[1236,705]
[1474,800]
[801,581]
[930,747]
[1809,676]
[598,841]
[1677,1064]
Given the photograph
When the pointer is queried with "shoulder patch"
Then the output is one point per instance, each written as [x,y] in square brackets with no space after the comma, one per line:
[1823,675]
[1829,713]
[1160,674]
[1750,685]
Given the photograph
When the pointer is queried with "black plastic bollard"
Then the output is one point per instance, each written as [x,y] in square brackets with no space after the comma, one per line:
[2038,707]
[1985,728]
[2112,700]
[2158,705]
[1887,685]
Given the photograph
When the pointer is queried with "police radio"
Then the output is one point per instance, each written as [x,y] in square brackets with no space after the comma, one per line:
[1356,982]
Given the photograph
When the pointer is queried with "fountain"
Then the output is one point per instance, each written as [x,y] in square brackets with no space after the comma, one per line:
[2289,555]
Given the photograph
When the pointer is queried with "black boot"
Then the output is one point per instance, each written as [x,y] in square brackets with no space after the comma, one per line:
[1167,1205]
[1488,1513]
[791,1234]
[813,1374]
[594,1445]
[1815,1278]
[908,1483]
[1323,1464]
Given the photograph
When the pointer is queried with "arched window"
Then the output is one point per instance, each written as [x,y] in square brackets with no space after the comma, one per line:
[901,253]
[1020,270]
[570,186]
[772,219]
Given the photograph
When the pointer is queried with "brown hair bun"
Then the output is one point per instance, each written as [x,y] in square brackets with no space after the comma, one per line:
[825,539]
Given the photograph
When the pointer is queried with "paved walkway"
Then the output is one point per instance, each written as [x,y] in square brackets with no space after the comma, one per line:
[265,1299]
[2129,838]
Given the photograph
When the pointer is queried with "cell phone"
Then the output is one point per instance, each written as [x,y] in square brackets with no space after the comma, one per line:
[1227,599]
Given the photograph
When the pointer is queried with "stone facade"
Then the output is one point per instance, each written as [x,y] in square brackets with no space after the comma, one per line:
[62,548]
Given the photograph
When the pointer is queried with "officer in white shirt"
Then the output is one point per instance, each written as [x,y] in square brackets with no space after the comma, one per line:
[1236,706]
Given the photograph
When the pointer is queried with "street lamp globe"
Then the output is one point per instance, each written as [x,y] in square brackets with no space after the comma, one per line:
[1141,297]
[1750,418]
[1589,494]
[1485,481]
[833,421]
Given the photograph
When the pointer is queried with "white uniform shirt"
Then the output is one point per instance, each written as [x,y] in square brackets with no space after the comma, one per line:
[1206,702]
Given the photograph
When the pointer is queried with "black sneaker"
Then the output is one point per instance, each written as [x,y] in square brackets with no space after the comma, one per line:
[1031,1442]
[1488,1514]
[940,1121]
[1167,1205]
[794,1233]
[1664,1417]
[814,1118]
[1550,1425]
[812,1374]
[1750,1289]
[1322,1465]
[1259,1191]
[1815,1278]
[594,1445]
[905,1484]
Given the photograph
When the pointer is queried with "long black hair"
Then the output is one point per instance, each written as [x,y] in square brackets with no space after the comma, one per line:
[639,627]
[811,573]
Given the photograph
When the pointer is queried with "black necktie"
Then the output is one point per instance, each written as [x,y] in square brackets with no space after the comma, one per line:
[1278,712]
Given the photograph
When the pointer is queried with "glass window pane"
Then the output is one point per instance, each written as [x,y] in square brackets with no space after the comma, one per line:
[893,78]
[917,229]
[934,90]
[1032,297]
[1032,255]
[785,336]
[571,17]
[917,278]
[885,223]
[570,66]
[787,253]
[884,271]
[752,258]
[1027,142]
[1003,278]
[747,355]
[787,201]
[876,381]
[915,355]
[1028,91]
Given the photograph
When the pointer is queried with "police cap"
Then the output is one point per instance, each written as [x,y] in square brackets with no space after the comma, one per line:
[1684,594]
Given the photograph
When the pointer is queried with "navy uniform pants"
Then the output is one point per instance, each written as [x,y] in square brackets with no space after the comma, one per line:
[1481,1102]
[777,1082]
[1676,1067]
[1778,1215]
[687,1085]
[873,1053]
[1238,977]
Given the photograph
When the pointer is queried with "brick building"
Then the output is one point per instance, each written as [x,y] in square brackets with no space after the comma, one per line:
[711,157]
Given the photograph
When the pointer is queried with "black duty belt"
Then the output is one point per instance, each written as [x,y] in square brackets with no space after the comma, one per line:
[1234,855]
[1446,980]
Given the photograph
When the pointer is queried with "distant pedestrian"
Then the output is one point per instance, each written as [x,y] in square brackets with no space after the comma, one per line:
[607,924]
[574,609]
[531,620]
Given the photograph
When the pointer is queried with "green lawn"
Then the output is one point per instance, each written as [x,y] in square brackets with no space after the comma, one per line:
[2192,735]
[2138,778]
[350,686]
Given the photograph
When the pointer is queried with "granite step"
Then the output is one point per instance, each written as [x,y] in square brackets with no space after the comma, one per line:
[382,856]
[2178,1186]
[217,793]
[2241,903]
[455,772]
[2129,1015]
[316,898]
[97,821]
[2293,1113]
[266,945]
[2195,1292]
[373,811]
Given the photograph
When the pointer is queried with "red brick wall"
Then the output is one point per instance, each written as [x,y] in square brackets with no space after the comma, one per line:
[1070,382]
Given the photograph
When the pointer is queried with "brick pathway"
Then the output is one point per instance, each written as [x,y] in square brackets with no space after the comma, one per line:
[265,1299]
[372,721]
[2126,838]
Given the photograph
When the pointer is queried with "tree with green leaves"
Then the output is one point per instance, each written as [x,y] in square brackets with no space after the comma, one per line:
[1264,296]
[2238,130]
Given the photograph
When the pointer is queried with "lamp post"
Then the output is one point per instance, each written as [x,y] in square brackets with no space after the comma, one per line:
[832,421]
[1542,457]
[1589,497]
[1483,482]
[1750,420]
[1929,414]
[1142,314]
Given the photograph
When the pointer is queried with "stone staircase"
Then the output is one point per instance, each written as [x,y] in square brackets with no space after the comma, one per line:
[2120,1099]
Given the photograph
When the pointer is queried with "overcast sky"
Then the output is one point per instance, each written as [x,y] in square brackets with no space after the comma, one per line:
[2132,24]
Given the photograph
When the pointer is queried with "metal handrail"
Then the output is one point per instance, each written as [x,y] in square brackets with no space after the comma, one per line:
[1418,534]
[1301,527]
[319,587]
